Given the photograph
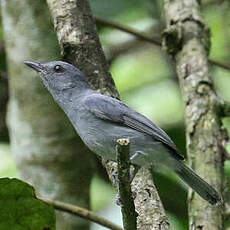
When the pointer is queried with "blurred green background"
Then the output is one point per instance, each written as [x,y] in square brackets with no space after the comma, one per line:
[146,79]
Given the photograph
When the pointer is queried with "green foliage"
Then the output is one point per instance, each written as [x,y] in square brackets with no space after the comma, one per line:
[135,70]
[144,76]
[216,18]
[112,8]
[98,187]
[7,164]
[21,210]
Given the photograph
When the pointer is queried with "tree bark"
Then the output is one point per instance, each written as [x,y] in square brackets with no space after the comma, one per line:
[80,45]
[129,214]
[48,153]
[187,39]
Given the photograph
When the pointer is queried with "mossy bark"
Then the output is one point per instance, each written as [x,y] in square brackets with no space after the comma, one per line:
[187,39]
[47,150]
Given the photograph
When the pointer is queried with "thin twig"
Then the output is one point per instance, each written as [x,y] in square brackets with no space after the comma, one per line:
[212,3]
[146,38]
[129,214]
[82,212]
[220,64]
[124,48]
[128,30]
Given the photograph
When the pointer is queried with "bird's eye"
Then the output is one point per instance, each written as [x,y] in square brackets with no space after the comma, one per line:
[59,69]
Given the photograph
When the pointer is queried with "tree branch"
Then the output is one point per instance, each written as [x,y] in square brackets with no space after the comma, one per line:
[82,212]
[80,43]
[146,38]
[129,214]
[117,50]
[128,30]
[220,64]
[187,37]
[151,213]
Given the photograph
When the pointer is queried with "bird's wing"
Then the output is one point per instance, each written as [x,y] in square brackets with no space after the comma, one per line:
[113,110]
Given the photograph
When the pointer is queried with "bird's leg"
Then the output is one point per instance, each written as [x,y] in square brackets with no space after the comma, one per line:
[134,172]
[118,200]
[114,176]
[136,155]
[132,175]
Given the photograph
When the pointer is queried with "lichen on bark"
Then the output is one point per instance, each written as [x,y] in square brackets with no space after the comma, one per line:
[204,133]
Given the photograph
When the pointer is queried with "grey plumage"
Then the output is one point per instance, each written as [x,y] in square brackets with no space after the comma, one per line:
[100,120]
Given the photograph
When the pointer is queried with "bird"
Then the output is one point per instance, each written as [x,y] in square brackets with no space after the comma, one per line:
[101,120]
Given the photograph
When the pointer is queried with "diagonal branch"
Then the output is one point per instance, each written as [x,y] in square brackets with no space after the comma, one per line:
[82,212]
[128,30]
[220,64]
[147,38]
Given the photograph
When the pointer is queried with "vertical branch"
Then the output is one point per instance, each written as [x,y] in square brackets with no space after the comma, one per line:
[80,45]
[123,168]
[187,39]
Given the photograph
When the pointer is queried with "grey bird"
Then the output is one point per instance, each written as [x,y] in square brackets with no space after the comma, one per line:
[101,120]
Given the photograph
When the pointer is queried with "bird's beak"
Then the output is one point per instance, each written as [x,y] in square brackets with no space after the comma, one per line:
[38,67]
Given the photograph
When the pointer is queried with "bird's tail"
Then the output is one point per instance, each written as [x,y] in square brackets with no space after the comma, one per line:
[200,186]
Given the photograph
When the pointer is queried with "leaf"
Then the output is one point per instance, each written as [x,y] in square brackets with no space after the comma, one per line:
[21,210]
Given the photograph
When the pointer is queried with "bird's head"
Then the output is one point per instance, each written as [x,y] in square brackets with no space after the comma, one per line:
[58,75]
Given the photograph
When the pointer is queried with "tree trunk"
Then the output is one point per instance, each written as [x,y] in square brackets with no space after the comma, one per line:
[48,152]
[187,39]
[80,45]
